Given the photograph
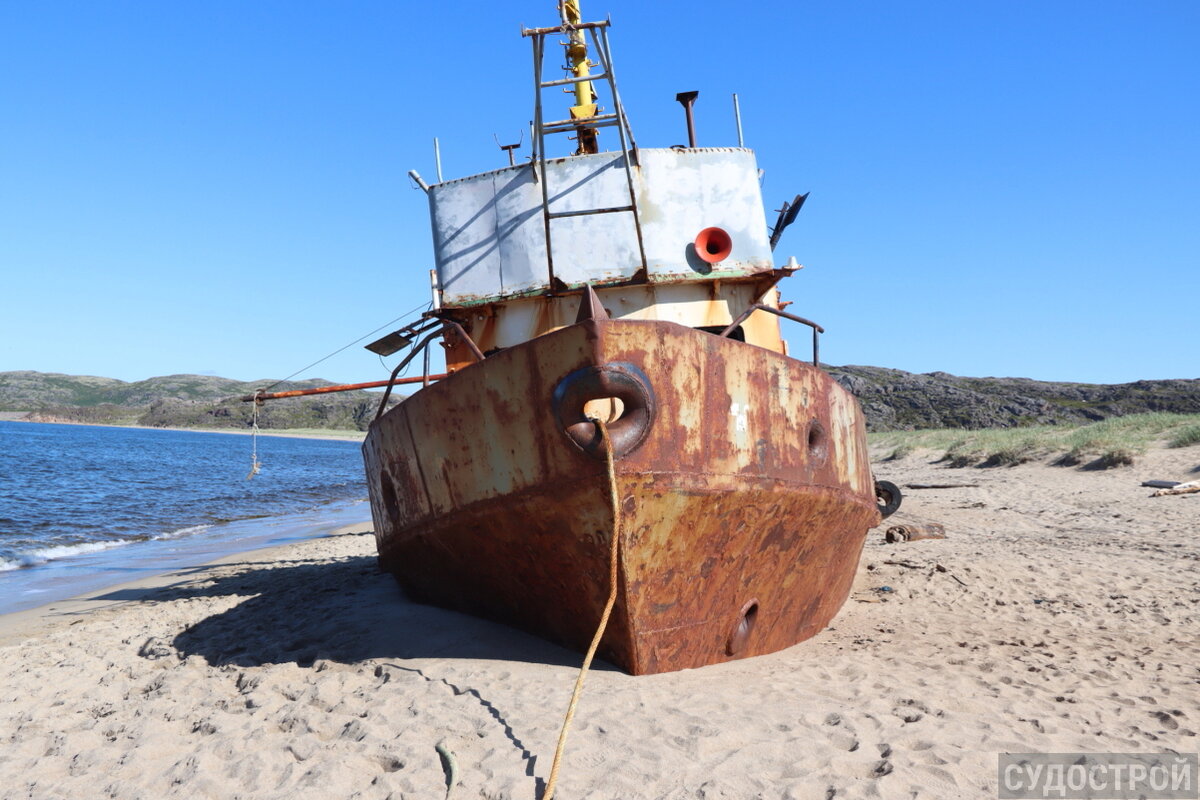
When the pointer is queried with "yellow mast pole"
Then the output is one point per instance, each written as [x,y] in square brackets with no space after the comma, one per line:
[580,67]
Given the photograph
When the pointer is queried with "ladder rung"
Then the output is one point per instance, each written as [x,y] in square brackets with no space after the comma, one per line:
[602,121]
[614,210]
[582,26]
[598,77]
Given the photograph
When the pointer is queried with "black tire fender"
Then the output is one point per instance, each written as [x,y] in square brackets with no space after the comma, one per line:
[889,498]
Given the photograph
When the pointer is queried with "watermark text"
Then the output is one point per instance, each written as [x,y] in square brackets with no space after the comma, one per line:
[1097,776]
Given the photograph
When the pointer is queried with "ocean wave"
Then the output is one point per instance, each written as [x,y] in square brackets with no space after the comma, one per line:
[188,531]
[36,558]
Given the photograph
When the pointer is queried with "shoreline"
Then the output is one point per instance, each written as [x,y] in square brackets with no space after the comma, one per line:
[16,624]
[86,574]
[282,433]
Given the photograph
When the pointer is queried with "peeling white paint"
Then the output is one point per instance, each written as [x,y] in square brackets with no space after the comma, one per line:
[739,413]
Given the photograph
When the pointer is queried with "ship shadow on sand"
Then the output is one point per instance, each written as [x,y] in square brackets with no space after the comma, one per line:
[343,610]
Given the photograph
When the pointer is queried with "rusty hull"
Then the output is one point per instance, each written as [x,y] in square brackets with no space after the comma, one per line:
[745,502]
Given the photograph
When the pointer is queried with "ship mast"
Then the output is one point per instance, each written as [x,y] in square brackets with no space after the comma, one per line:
[579,66]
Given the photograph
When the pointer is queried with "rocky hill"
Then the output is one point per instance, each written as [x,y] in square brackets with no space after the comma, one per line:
[892,400]
[183,401]
[897,400]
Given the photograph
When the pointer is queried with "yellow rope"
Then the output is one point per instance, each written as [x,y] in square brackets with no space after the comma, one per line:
[612,599]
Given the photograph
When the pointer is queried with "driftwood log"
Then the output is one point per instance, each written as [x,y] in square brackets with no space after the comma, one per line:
[1192,487]
[911,533]
[941,486]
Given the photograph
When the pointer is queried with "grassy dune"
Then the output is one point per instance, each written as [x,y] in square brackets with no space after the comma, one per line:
[1111,443]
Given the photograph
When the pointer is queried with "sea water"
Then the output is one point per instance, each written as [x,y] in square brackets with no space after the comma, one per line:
[83,506]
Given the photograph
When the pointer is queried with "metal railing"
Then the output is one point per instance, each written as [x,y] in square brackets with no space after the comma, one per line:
[448,325]
[816,329]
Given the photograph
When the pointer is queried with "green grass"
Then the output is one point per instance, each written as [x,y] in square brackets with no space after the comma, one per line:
[1113,442]
[1186,437]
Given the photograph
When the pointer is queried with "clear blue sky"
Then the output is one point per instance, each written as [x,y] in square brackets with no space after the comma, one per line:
[998,188]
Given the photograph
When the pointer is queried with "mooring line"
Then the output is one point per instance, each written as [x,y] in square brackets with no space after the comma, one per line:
[346,346]
[254,464]
[612,599]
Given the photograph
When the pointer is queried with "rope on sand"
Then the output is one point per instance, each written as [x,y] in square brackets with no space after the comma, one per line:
[612,599]
[449,765]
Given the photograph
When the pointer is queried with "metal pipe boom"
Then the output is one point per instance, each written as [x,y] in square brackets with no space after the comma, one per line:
[345,387]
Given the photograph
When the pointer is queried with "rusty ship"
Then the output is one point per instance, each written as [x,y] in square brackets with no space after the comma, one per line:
[635,287]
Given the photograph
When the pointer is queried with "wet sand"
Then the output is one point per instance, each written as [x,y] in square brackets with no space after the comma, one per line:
[1060,614]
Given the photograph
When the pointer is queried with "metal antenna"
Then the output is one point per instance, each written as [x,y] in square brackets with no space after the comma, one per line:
[737,116]
[509,148]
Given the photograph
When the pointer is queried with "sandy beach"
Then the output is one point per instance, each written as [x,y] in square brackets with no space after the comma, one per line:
[1060,614]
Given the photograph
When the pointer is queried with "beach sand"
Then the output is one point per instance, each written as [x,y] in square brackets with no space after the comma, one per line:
[1067,618]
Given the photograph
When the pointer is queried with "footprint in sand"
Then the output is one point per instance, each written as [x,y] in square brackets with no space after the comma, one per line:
[844,740]
[1168,722]
[910,710]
